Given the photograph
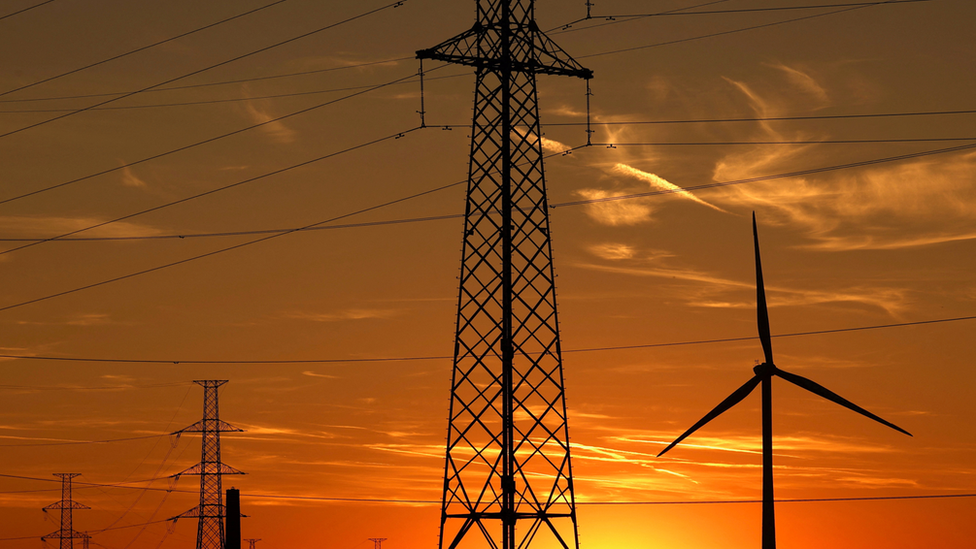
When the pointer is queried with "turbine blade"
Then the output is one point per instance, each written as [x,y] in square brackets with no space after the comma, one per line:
[818,389]
[730,401]
[761,313]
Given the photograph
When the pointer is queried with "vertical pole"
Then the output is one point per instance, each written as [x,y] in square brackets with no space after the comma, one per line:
[589,131]
[423,110]
[508,351]
[67,541]
[768,516]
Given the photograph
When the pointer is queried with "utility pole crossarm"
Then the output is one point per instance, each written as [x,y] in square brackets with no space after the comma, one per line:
[532,51]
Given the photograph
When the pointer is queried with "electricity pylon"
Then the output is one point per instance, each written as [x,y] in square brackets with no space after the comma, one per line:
[67,534]
[377,542]
[508,457]
[210,511]
[252,543]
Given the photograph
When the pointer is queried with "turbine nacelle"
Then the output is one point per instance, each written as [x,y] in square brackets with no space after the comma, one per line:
[765,369]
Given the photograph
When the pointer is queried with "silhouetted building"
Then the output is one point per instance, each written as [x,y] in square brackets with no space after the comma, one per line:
[232,529]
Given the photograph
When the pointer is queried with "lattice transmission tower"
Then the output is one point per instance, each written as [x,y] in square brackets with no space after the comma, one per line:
[252,543]
[508,456]
[210,511]
[67,534]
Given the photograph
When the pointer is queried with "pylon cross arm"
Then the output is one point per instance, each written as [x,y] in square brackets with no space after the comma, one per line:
[200,427]
[199,469]
[534,52]
[65,534]
[66,505]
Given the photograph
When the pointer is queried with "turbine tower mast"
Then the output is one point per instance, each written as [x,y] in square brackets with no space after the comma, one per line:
[210,511]
[67,534]
[508,457]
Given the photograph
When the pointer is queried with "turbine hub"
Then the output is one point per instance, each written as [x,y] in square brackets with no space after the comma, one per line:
[765,369]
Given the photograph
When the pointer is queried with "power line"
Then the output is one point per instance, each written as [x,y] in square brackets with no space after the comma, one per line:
[250,242]
[78,442]
[685,12]
[799,173]
[196,196]
[199,143]
[231,100]
[91,388]
[198,71]
[797,500]
[142,48]
[209,84]
[24,9]
[770,118]
[407,78]
[423,193]
[785,142]
[424,358]
[743,29]
[248,233]
[659,502]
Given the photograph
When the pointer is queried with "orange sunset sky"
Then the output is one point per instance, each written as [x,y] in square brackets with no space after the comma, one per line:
[334,340]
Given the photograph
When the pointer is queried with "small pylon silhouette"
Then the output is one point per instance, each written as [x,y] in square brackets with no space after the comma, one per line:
[377,542]
[67,534]
[210,530]
[252,542]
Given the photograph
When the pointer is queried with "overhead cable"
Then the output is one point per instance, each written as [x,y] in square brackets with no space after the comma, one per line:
[429,191]
[204,142]
[78,442]
[250,242]
[142,48]
[799,173]
[744,29]
[613,18]
[768,118]
[28,8]
[210,84]
[444,357]
[234,99]
[198,71]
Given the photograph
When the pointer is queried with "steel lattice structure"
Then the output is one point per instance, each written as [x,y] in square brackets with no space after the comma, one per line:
[210,511]
[67,534]
[508,456]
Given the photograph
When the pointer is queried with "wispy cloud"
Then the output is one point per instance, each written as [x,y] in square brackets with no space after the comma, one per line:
[310,373]
[50,226]
[815,93]
[129,179]
[713,292]
[616,212]
[657,182]
[613,251]
[276,130]
[345,314]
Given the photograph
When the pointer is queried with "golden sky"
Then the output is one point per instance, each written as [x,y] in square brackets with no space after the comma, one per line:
[860,226]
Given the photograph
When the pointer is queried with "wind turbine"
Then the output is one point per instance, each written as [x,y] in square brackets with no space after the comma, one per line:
[764,375]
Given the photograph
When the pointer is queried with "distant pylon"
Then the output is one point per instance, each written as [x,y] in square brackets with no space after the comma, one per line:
[252,542]
[377,542]
[67,534]
[210,530]
[508,456]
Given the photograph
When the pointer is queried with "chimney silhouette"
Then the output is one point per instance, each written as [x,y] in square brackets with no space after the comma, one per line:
[232,529]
